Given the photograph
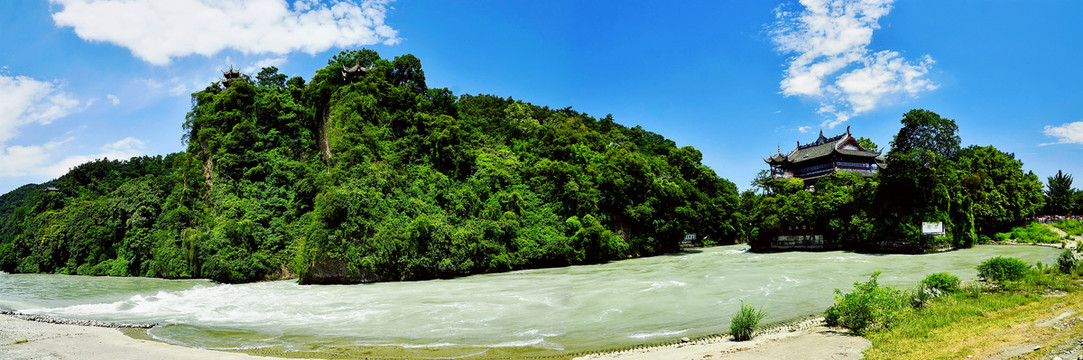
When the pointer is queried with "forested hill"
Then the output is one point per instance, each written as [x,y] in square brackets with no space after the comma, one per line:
[371,176]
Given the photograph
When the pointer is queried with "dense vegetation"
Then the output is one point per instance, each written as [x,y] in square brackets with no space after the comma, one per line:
[871,307]
[974,191]
[942,318]
[1072,227]
[375,178]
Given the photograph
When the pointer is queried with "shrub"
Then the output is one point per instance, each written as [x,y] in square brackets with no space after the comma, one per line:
[944,282]
[1001,269]
[831,315]
[922,295]
[869,306]
[934,286]
[1034,233]
[1070,226]
[745,323]
[1067,261]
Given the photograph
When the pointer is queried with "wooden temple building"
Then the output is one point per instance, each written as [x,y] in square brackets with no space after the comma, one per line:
[229,76]
[825,156]
[351,74]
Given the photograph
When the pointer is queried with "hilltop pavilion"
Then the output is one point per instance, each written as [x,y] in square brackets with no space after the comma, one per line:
[825,156]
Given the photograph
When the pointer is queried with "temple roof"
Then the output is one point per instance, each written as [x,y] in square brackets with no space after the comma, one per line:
[231,74]
[844,144]
[354,71]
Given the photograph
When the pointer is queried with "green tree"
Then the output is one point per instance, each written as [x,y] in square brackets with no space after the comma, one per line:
[868,144]
[920,183]
[925,130]
[1059,194]
[269,77]
[1002,193]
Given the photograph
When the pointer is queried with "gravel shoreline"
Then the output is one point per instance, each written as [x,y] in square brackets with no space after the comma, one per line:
[63,321]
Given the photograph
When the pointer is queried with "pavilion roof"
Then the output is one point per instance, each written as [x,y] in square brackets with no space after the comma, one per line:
[824,146]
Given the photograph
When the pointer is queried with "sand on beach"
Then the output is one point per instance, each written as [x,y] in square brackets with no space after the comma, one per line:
[23,339]
[816,342]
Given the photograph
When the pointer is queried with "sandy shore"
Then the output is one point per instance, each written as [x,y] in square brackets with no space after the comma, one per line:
[807,340]
[22,339]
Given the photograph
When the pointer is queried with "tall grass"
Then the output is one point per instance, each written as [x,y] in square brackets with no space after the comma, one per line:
[746,322]
[958,325]
[1070,226]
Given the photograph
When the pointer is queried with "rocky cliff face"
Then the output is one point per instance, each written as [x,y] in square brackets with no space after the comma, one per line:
[334,271]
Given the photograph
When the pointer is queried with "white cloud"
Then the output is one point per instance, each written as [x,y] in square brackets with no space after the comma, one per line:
[151,83]
[158,31]
[832,62]
[259,65]
[37,160]
[28,101]
[1070,133]
[178,90]
[804,129]
[20,160]
[113,99]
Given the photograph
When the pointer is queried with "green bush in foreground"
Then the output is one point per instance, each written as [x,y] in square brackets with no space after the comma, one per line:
[944,282]
[869,306]
[1067,261]
[934,286]
[1000,269]
[745,323]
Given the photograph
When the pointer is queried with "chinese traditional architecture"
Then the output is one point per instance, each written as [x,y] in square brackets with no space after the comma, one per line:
[228,76]
[825,156]
[349,74]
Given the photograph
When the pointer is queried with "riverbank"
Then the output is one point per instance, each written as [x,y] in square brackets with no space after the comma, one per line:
[554,313]
[808,339]
[29,339]
[37,338]
[1050,326]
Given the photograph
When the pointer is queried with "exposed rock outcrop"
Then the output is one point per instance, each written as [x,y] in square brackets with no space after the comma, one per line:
[334,271]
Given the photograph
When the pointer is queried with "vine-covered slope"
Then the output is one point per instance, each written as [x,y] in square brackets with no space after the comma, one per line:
[372,178]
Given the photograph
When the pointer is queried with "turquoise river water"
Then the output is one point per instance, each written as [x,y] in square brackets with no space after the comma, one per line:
[525,313]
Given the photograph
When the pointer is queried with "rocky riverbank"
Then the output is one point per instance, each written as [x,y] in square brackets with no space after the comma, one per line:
[61,321]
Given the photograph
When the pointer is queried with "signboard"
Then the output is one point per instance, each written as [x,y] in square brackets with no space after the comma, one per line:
[932,228]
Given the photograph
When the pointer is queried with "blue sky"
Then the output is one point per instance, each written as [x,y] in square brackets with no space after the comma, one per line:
[86,79]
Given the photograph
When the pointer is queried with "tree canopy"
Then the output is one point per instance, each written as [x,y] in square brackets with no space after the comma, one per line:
[1002,194]
[1060,194]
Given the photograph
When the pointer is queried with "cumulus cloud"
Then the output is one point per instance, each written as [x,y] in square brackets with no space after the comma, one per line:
[831,60]
[1070,133]
[38,160]
[158,31]
[113,99]
[28,101]
[259,65]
